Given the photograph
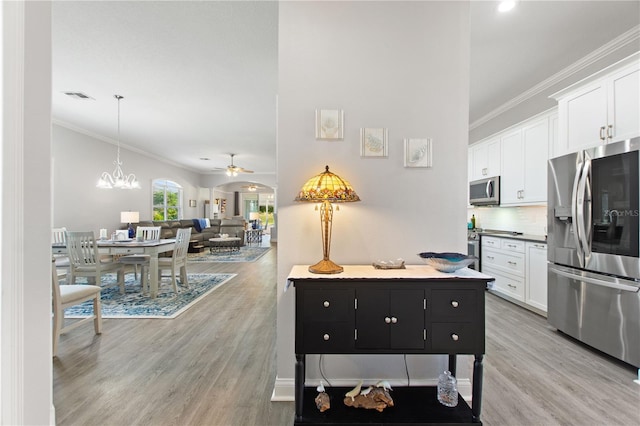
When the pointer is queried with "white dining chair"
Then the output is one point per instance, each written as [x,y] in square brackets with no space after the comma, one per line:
[65,296]
[178,261]
[85,260]
[59,238]
[143,233]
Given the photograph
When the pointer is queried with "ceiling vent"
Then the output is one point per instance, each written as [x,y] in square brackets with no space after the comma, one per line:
[77,95]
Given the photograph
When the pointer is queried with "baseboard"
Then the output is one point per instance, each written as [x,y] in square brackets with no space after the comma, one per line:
[284,389]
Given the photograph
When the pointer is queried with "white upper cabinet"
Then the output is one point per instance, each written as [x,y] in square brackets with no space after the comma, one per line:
[623,101]
[525,151]
[602,108]
[485,159]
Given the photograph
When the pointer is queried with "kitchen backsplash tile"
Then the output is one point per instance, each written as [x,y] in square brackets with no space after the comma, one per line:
[528,220]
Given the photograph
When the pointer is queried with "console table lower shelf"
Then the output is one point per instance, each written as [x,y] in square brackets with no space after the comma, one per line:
[416,405]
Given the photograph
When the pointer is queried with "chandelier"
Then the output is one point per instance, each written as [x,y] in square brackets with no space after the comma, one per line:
[118,179]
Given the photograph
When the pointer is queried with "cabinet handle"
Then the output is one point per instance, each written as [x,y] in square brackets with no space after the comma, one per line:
[609,131]
[454,303]
[454,337]
[326,304]
[387,320]
[394,320]
[512,286]
[511,245]
[325,337]
[602,133]
[490,257]
[512,263]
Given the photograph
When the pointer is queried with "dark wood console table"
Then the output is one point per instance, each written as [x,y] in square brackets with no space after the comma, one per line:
[363,310]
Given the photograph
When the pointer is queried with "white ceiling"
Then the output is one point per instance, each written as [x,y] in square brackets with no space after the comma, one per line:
[199,79]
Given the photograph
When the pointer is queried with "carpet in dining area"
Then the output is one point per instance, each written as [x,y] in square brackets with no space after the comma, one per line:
[134,304]
[245,254]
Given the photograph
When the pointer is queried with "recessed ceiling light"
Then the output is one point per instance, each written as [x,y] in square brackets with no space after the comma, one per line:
[506,6]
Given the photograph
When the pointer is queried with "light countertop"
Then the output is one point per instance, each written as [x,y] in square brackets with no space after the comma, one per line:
[368,271]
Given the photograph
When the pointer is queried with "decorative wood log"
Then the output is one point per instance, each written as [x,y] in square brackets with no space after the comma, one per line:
[377,399]
[322,402]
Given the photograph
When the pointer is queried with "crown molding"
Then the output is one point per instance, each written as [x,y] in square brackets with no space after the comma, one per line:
[619,42]
[103,138]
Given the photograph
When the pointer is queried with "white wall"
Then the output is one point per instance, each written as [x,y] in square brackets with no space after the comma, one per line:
[399,65]
[79,160]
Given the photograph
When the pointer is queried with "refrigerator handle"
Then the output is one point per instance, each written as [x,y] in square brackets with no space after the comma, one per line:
[574,213]
[584,204]
[615,285]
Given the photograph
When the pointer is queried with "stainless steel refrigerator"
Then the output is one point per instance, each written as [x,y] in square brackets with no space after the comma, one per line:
[593,248]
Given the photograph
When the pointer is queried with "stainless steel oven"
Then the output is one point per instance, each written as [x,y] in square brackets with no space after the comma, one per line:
[473,249]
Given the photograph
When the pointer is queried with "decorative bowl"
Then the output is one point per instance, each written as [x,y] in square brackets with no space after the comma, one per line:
[447,262]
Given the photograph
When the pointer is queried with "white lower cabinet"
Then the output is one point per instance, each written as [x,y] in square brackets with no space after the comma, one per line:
[519,269]
[536,291]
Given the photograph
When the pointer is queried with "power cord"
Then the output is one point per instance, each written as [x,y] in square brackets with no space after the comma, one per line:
[321,372]
[406,370]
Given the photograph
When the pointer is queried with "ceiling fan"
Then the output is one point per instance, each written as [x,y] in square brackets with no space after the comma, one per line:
[232,169]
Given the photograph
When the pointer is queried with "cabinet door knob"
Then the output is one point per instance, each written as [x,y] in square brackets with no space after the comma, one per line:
[387,320]
[394,320]
[326,304]
[454,303]
[325,337]
[454,337]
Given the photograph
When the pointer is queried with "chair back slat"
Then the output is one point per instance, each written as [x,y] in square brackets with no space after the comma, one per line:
[82,248]
[148,233]
[58,236]
[182,243]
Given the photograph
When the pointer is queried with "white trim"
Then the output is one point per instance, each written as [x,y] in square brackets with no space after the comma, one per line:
[284,389]
[623,40]
[12,369]
[103,138]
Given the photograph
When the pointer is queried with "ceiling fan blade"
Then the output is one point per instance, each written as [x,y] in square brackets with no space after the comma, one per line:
[241,170]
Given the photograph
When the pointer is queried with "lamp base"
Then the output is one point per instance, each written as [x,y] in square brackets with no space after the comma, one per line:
[325,267]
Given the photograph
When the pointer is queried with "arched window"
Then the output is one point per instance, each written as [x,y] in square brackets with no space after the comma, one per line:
[167,200]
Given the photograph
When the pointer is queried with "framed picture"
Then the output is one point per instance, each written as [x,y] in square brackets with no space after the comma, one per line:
[192,203]
[417,153]
[373,142]
[329,124]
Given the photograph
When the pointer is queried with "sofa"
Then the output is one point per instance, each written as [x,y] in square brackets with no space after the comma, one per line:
[234,227]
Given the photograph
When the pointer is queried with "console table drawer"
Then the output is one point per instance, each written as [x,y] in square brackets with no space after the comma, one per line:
[453,305]
[455,337]
[327,304]
[327,337]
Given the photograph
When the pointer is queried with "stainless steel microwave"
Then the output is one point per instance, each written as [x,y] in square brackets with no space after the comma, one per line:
[485,192]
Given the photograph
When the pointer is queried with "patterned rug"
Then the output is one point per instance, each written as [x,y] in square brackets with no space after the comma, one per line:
[134,304]
[245,254]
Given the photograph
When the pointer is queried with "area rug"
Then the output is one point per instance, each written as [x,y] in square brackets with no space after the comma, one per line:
[134,304]
[245,254]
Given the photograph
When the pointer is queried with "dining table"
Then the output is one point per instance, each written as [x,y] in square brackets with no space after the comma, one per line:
[127,247]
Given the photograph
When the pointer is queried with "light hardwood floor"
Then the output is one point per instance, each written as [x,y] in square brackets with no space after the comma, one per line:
[215,365]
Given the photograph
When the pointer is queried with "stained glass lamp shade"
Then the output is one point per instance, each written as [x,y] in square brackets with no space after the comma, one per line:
[326,188]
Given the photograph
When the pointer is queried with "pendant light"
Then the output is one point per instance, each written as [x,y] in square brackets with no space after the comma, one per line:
[118,179]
